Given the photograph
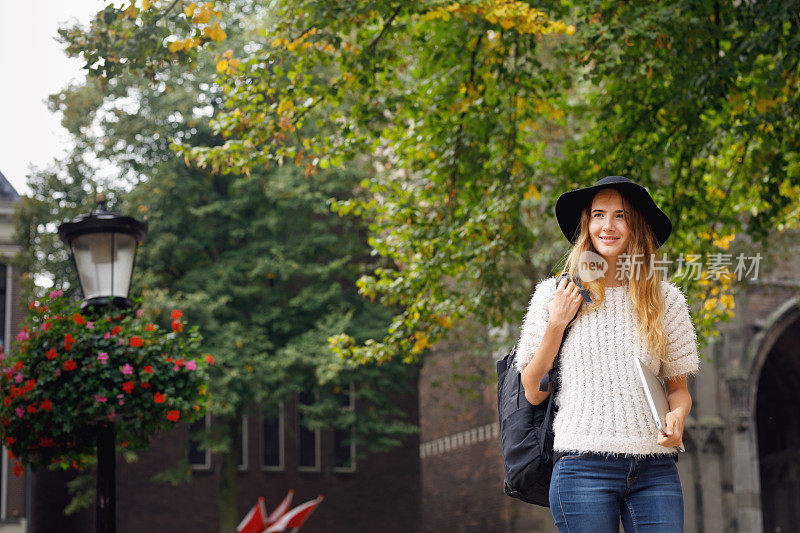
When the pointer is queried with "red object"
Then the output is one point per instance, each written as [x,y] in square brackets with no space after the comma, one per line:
[294,518]
[159,398]
[280,509]
[136,341]
[173,415]
[255,520]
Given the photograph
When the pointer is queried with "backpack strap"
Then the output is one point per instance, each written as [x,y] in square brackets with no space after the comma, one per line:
[587,298]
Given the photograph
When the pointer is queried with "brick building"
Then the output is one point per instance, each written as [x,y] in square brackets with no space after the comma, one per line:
[741,469]
[13,489]
[379,492]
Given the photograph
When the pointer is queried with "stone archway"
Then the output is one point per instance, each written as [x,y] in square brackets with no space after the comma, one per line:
[773,428]
[777,411]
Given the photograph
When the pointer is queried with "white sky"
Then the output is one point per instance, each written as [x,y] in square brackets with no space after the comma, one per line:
[33,66]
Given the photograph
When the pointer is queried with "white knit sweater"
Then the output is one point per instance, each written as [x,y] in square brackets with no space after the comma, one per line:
[601,404]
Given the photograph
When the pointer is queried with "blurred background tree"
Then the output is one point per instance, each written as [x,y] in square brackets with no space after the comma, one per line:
[258,261]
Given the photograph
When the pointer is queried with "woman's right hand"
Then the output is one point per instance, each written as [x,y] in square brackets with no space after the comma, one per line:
[565,303]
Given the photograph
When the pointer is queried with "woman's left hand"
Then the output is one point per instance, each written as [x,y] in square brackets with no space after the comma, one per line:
[674,430]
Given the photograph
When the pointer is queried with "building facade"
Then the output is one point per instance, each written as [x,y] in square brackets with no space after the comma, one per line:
[13,489]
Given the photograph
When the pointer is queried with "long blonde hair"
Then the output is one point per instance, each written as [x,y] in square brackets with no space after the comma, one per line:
[644,287]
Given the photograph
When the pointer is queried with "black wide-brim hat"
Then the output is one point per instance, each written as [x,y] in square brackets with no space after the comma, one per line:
[570,205]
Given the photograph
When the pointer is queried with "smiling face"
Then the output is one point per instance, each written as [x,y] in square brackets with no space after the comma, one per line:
[608,224]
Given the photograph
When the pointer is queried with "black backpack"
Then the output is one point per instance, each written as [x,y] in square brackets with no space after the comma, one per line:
[526,430]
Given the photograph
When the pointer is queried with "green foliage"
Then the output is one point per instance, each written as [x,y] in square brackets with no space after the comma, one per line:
[70,372]
[475,115]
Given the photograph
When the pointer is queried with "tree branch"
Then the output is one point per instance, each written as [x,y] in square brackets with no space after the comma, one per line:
[375,41]
[165,11]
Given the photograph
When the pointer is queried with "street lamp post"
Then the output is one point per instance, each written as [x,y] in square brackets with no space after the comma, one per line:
[103,246]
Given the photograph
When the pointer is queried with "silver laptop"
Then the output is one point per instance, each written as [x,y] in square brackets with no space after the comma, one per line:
[656,397]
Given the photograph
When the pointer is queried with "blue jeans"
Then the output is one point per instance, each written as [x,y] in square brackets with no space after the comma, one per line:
[591,493]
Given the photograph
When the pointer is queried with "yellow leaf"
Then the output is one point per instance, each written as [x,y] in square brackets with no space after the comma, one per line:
[131,11]
[222,65]
[145,5]
[532,192]
[228,54]
[188,10]
[445,322]
[421,342]
[176,46]
[285,105]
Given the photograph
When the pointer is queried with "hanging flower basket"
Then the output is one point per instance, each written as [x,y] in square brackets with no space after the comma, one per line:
[70,372]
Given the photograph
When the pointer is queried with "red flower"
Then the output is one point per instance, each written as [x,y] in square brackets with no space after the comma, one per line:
[18,365]
[32,305]
[148,369]
[159,398]
[10,440]
[8,400]
[144,384]
[68,342]
[52,354]
[136,341]
[45,326]
[18,470]
[47,405]
[177,326]
[176,314]
[70,365]
[209,359]
[128,386]
[46,442]
[78,319]
[31,408]
[196,407]
[116,329]
[173,415]
[150,327]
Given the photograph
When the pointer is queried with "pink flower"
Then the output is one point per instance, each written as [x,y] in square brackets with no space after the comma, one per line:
[139,313]
[18,378]
[127,369]
[176,368]
[57,372]
[191,365]
[23,336]
[20,412]
[90,325]
[102,357]
[56,294]
[107,335]
[122,341]
[122,402]
[120,396]
[100,399]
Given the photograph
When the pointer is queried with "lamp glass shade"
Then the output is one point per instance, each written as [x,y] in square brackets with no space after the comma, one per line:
[105,263]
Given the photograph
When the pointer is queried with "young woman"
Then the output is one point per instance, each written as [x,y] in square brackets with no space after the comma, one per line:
[612,462]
